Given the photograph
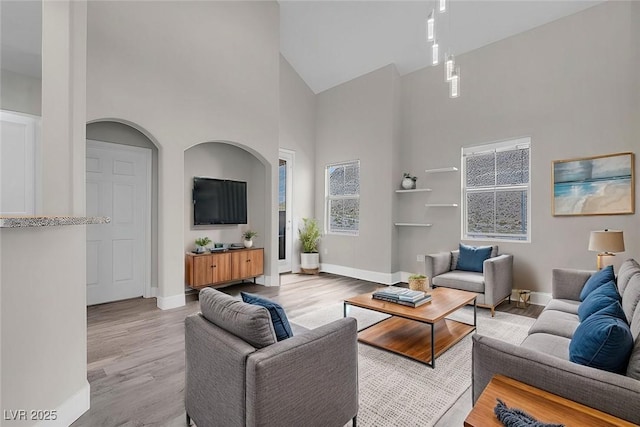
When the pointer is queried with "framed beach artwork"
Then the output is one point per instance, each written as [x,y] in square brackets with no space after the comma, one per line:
[600,185]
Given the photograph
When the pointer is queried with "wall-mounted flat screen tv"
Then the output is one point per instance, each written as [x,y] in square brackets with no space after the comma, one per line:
[219,201]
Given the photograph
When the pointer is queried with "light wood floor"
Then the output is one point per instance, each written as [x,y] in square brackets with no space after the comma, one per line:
[136,351]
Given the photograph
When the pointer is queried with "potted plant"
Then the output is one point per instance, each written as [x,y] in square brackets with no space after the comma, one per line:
[408,181]
[309,238]
[201,244]
[418,282]
[248,238]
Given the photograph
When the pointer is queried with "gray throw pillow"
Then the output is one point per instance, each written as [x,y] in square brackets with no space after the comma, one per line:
[251,323]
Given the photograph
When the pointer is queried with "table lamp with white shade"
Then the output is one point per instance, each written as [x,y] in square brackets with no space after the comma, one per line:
[606,242]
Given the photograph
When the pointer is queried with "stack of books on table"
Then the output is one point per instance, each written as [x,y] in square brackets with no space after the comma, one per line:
[402,296]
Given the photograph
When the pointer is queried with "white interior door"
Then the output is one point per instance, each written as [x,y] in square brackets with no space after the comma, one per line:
[285,191]
[118,253]
[18,148]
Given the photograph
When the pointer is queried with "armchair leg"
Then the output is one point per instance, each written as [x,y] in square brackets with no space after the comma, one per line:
[188,420]
[493,311]
[354,422]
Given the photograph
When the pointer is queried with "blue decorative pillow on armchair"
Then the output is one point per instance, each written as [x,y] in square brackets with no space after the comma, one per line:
[278,317]
[472,258]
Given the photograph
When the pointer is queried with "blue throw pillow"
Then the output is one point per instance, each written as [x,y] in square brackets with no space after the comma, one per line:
[596,280]
[278,317]
[594,303]
[471,258]
[603,342]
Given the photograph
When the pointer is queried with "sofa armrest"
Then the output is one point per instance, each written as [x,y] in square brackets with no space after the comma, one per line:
[214,356]
[437,264]
[612,393]
[567,283]
[498,278]
[309,379]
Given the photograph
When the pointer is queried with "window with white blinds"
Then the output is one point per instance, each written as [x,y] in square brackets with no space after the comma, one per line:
[496,189]
[342,190]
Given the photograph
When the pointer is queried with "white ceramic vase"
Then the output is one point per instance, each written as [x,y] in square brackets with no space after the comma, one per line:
[407,183]
[310,261]
[248,243]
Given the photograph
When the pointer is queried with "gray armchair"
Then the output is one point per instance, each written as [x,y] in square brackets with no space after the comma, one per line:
[492,286]
[237,374]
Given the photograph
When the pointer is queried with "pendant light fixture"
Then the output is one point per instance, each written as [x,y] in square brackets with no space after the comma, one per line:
[449,65]
[431,27]
[451,70]
[454,83]
[434,53]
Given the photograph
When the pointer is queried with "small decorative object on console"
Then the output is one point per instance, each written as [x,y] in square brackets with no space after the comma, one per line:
[248,238]
[201,242]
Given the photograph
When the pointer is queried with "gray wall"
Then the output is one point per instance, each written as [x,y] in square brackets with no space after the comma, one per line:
[224,161]
[297,133]
[43,326]
[119,133]
[573,86]
[20,93]
[355,121]
[204,71]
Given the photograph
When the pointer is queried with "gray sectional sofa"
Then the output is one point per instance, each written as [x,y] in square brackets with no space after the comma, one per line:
[542,360]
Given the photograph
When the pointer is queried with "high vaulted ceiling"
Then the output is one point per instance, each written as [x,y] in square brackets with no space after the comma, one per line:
[331,42]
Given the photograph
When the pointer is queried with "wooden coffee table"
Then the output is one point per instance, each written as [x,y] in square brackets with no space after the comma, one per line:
[421,333]
[542,405]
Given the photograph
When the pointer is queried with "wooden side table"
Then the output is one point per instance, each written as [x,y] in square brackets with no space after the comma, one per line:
[544,406]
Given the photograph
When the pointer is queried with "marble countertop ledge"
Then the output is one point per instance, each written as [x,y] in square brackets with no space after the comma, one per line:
[50,221]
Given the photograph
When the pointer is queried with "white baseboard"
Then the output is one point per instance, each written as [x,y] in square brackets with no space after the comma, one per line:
[267,281]
[371,276]
[174,301]
[71,409]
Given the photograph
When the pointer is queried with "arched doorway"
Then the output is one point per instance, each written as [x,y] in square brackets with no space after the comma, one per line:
[122,183]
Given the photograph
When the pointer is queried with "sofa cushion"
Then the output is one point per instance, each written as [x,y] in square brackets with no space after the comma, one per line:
[278,316]
[631,296]
[566,305]
[602,341]
[552,345]
[602,297]
[249,322]
[463,280]
[596,280]
[627,270]
[633,368]
[555,323]
[472,257]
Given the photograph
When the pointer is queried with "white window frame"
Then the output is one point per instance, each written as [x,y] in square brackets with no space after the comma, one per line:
[518,143]
[328,198]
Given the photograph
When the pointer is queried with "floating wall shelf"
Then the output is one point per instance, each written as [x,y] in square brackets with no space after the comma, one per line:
[415,190]
[441,205]
[410,224]
[450,169]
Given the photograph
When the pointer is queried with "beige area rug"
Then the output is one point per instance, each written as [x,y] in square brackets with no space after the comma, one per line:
[396,391]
